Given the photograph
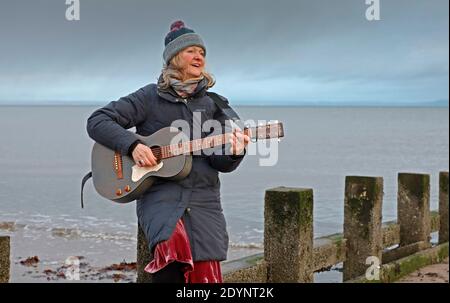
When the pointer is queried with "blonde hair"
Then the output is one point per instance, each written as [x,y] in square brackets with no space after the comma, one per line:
[174,70]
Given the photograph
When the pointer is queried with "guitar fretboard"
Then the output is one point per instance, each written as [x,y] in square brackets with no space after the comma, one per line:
[185,148]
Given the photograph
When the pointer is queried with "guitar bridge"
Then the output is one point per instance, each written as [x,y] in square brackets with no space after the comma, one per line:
[118,165]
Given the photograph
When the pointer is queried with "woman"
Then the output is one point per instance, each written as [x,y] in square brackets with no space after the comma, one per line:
[182,220]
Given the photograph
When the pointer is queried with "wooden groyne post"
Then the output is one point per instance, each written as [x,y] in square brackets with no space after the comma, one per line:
[288,234]
[143,258]
[443,207]
[292,255]
[5,253]
[362,223]
[413,210]
[414,216]
[400,247]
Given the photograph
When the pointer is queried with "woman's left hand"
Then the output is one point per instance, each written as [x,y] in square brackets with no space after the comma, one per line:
[238,141]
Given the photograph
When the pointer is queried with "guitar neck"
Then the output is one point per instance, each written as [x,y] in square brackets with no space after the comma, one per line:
[186,148]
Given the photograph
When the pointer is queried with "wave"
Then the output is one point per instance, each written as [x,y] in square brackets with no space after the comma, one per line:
[11,226]
[68,233]
[74,233]
[246,245]
[77,233]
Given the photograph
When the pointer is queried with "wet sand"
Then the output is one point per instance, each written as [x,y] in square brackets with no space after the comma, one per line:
[78,270]
[45,254]
[436,273]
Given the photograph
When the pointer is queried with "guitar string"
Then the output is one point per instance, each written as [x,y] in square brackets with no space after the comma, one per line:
[159,152]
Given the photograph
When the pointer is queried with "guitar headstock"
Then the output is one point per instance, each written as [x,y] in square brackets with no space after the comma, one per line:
[267,131]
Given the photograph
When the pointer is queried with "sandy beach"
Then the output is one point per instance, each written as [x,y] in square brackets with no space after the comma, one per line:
[436,273]
[33,270]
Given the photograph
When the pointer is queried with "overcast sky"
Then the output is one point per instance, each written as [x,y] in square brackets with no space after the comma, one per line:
[260,52]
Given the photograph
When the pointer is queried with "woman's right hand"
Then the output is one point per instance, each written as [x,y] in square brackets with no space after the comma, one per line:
[143,156]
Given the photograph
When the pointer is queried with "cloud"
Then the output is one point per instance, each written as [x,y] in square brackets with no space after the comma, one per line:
[258,50]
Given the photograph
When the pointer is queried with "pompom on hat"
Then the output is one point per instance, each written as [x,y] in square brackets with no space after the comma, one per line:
[179,38]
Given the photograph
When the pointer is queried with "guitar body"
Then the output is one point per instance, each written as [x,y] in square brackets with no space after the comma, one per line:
[117,177]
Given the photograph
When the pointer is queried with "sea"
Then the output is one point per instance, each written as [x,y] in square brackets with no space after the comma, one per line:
[45,151]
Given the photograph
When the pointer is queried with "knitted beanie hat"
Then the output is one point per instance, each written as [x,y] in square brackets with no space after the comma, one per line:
[179,38]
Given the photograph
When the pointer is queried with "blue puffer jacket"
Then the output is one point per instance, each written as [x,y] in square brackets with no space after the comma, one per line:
[197,197]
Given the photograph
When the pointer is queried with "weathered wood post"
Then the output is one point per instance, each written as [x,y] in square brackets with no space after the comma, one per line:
[143,258]
[288,234]
[413,200]
[443,207]
[362,223]
[5,252]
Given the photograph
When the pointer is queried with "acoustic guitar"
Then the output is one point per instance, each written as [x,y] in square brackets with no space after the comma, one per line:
[118,178]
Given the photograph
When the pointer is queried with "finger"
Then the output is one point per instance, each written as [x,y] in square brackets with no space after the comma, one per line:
[144,162]
[240,137]
[249,132]
[243,137]
[142,159]
[246,139]
[242,140]
[148,157]
[149,160]
[233,144]
[154,158]
[153,161]
[137,158]
[232,138]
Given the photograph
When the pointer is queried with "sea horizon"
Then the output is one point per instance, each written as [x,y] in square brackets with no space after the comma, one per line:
[444,104]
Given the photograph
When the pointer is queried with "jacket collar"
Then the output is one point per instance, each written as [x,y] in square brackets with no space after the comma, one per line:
[169,94]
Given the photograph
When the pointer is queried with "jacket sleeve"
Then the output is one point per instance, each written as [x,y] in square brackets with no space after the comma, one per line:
[108,125]
[224,163]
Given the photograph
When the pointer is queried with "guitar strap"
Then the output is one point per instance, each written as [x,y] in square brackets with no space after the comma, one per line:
[85,178]
[227,110]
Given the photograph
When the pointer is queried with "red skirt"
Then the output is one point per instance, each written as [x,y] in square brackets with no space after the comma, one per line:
[177,248]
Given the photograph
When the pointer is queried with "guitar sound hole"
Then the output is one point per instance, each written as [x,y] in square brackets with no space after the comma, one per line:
[157,152]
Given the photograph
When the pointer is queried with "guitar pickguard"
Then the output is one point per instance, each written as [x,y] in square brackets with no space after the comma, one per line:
[138,172]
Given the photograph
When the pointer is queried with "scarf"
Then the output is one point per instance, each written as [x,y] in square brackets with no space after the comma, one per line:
[185,88]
